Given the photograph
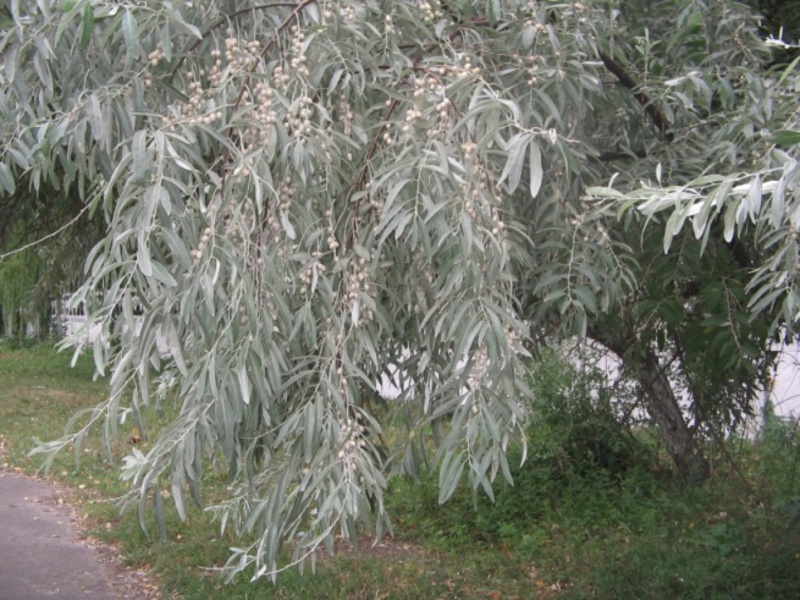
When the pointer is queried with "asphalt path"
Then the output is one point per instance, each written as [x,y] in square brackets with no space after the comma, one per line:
[41,552]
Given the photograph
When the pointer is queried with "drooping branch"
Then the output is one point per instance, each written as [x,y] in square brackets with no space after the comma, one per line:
[242,88]
[222,21]
[655,113]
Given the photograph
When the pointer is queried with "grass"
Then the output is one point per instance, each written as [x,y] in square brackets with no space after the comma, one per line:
[566,529]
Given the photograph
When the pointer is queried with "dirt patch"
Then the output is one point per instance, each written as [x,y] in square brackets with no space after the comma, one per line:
[59,396]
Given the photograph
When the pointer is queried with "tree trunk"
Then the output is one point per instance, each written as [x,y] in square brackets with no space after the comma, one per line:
[661,403]
[666,411]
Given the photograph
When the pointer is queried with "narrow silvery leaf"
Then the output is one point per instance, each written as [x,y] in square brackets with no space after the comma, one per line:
[143,258]
[451,470]
[87,25]
[130,31]
[287,225]
[244,384]
[754,198]
[537,174]
[138,148]
[10,62]
[512,171]
[177,496]
[6,178]
[96,121]
[778,204]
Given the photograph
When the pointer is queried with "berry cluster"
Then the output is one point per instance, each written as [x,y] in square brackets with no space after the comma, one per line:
[345,115]
[375,201]
[455,71]
[480,363]
[476,191]
[236,223]
[244,319]
[530,64]
[352,435]
[205,238]
[298,118]
[431,11]
[431,101]
[156,56]
[333,244]
[264,115]
[298,61]
[349,13]
[280,78]
[199,108]
[307,274]
[389,27]
[358,281]
[285,194]
[240,56]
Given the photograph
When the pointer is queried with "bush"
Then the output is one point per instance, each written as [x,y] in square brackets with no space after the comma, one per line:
[578,418]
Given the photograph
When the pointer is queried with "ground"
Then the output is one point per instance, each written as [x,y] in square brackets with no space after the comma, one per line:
[44,555]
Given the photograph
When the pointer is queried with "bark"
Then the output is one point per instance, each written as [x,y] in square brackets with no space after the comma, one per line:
[662,405]
[666,411]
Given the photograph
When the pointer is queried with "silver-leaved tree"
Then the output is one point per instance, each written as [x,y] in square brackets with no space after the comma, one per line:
[305,197]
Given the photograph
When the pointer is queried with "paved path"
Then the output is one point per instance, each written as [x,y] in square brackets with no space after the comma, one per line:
[41,554]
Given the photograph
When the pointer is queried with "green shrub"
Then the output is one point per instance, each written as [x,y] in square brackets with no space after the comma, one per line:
[577,418]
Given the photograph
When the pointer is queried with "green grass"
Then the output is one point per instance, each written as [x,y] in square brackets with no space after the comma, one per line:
[565,529]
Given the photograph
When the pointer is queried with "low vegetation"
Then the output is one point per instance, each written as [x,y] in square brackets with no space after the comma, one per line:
[595,511]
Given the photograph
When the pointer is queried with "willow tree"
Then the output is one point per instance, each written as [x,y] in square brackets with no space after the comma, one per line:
[305,197]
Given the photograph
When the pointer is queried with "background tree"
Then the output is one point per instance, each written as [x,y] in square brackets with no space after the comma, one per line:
[44,240]
[305,196]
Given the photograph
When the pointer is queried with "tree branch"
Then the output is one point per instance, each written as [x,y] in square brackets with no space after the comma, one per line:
[619,155]
[655,113]
[48,236]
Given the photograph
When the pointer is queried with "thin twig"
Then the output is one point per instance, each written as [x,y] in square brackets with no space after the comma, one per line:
[48,236]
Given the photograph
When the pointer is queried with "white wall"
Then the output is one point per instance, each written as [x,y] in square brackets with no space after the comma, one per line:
[785,393]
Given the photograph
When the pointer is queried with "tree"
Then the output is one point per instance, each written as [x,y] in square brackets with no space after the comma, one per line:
[741,202]
[44,239]
[306,196]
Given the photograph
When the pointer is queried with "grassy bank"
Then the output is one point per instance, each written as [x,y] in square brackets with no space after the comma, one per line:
[566,529]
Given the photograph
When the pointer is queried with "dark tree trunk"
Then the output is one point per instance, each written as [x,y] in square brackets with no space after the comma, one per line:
[662,404]
[666,411]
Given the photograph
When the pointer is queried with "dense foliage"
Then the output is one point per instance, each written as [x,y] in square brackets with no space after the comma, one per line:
[305,197]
